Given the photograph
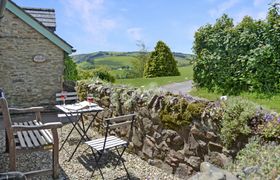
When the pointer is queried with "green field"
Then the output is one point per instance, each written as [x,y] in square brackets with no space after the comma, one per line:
[114,62]
[186,74]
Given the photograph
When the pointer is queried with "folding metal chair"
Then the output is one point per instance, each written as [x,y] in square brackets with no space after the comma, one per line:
[102,145]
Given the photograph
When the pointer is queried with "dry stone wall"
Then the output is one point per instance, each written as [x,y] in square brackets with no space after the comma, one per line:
[25,82]
[178,149]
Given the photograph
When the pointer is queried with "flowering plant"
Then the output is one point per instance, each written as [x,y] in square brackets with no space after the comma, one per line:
[271,127]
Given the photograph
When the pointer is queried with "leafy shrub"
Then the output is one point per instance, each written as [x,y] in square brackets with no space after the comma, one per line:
[70,70]
[104,75]
[101,73]
[245,57]
[237,115]
[85,74]
[264,158]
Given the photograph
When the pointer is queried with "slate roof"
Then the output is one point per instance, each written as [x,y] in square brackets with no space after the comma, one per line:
[45,16]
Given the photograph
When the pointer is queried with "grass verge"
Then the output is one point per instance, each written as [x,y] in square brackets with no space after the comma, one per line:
[266,101]
[186,74]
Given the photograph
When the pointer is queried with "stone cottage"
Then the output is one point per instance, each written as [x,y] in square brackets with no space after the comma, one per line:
[31,55]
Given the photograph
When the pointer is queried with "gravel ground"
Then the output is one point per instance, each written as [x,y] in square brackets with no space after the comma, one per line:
[82,164]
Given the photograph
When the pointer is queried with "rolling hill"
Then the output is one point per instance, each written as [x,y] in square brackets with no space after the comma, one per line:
[116,60]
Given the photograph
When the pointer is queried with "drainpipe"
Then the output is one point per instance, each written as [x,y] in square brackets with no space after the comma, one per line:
[2,8]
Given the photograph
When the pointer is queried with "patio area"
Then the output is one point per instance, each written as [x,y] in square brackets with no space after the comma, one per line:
[82,164]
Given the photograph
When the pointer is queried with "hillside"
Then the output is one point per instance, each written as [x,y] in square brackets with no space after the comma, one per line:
[117,60]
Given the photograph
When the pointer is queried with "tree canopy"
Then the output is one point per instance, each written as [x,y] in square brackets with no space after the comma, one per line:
[244,57]
[161,62]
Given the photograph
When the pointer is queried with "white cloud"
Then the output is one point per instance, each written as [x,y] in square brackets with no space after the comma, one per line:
[91,16]
[135,33]
[260,2]
[223,7]
[249,12]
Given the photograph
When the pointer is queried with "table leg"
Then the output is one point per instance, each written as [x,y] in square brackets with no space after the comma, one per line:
[74,127]
[84,136]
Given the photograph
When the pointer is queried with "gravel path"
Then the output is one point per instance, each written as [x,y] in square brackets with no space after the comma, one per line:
[82,164]
[178,88]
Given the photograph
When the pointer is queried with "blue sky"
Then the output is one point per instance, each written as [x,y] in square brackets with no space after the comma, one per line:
[117,25]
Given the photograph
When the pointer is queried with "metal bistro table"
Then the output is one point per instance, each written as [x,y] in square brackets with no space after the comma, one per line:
[75,110]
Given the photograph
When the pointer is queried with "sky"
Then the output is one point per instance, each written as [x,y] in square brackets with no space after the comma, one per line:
[119,25]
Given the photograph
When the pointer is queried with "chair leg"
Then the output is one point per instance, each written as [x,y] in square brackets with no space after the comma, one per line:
[120,159]
[97,165]
[120,155]
[55,155]
[12,154]
[12,157]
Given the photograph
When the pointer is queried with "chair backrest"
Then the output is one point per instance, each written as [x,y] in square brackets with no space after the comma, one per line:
[6,117]
[117,122]
[5,112]
[70,97]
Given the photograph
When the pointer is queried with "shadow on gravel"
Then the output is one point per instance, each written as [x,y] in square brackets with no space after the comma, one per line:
[108,161]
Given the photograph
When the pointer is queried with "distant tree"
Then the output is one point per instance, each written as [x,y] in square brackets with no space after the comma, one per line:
[138,64]
[161,62]
[101,72]
[70,69]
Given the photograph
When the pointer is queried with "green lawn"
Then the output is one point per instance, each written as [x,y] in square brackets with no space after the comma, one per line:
[186,74]
[267,102]
[114,61]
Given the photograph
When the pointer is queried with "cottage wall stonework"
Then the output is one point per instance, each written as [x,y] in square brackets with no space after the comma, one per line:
[25,82]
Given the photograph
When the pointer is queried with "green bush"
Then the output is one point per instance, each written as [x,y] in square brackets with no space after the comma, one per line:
[101,73]
[245,57]
[70,70]
[264,157]
[237,115]
[104,75]
[161,62]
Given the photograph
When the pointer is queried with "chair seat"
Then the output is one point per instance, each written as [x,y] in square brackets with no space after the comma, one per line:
[112,141]
[33,138]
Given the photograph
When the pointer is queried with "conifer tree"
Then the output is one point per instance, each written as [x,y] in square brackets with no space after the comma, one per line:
[161,62]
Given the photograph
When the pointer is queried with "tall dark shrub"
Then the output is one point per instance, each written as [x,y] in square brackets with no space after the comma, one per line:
[161,62]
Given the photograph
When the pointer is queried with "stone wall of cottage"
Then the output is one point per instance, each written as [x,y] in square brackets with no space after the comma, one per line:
[25,82]
[176,149]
